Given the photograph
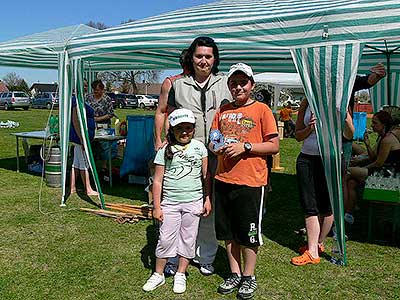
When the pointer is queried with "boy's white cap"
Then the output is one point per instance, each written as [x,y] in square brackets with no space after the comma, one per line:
[181,115]
[241,67]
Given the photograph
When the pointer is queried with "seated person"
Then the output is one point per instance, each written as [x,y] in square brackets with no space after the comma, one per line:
[395,113]
[385,153]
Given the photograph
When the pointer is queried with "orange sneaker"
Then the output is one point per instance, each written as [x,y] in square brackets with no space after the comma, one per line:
[321,249]
[305,259]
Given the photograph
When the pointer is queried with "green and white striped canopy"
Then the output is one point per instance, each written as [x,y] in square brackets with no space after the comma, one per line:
[40,50]
[258,32]
[387,87]
[324,38]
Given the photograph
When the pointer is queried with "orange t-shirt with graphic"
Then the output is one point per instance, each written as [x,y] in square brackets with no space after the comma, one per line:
[253,123]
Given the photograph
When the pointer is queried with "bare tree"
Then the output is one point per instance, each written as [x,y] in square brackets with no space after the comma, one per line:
[15,83]
[11,80]
[127,80]
[128,21]
[97,25]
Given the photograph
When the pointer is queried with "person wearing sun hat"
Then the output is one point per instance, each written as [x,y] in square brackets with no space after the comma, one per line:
[249,131]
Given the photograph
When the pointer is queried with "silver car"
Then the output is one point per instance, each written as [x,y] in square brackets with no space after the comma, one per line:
[10,100]
[45,100]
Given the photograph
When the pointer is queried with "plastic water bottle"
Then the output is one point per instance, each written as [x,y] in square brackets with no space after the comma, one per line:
[50,125]
[53,124]
[56,126]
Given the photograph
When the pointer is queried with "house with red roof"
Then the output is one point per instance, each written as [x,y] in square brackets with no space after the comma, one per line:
[3,87]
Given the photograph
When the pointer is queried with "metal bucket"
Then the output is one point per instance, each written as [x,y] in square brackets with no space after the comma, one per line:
[52,166]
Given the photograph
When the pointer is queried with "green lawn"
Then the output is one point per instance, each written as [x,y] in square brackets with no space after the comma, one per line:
[49,252]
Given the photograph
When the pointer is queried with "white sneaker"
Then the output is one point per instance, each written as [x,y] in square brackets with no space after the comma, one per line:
[179,283]
[206,269]
[154,282]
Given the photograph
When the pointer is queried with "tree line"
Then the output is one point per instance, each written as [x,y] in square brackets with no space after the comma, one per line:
[15,83]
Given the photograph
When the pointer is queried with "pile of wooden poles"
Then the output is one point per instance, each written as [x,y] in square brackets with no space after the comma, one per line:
[123,213]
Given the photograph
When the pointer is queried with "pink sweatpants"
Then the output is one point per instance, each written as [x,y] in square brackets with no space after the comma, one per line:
[178,231]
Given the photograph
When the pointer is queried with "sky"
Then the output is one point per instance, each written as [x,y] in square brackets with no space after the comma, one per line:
[30,17]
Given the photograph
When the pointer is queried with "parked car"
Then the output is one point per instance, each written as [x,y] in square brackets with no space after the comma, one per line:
[132,100]
[118,100]
[155,96]
[147,101]
[16,99]
[45,100]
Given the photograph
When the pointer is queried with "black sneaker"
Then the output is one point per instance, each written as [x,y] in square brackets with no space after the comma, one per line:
[247,288]
[170,269]
[230,284]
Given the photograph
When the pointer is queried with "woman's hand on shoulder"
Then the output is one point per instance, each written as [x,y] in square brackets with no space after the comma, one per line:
[159,144]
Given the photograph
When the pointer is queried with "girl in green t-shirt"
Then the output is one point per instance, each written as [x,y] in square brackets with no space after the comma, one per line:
[180,194]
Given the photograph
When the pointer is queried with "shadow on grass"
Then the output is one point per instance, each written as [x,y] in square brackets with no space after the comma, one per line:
[82,195]
[147,254]
[120,188]
[11,165]
[221,263]
[383,231]
[148,258]
[283,214]
[284,217]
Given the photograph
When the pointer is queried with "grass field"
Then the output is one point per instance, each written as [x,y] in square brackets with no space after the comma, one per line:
[49,252]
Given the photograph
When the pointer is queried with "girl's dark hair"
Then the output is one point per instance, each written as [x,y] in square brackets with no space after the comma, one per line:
[206,42]
[97,83]
[385,118]
[168,155]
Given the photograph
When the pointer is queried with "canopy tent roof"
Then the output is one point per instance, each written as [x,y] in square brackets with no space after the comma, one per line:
[259,33]
[285,80]
[40,50]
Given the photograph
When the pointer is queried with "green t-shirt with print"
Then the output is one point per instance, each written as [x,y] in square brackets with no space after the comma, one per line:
[182,176]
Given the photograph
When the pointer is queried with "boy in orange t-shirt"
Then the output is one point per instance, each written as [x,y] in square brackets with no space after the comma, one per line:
[249,134]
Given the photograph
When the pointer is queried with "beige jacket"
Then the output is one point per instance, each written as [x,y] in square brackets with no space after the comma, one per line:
[185,93]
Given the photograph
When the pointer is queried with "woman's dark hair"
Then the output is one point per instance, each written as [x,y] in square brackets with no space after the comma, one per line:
[385,118]
[97,83]
[183,59]
[168,155]
[206,42]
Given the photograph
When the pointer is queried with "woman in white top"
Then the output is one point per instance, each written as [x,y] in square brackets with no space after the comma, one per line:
[313,191]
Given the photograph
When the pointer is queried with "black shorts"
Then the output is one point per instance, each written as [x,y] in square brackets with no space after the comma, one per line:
[238,213]
[314,195]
